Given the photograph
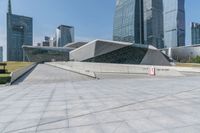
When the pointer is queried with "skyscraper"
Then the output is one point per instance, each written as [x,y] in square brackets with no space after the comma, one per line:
[195,28]
[1,53]
[139,21]
[128,21]
[153,23]
[64,35]
[174,23]
[19,32]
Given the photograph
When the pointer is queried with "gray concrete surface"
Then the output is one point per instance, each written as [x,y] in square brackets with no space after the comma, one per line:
[91,69]
[51,100]
[68,68]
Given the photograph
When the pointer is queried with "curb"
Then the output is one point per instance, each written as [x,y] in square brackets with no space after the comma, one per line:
[21,72]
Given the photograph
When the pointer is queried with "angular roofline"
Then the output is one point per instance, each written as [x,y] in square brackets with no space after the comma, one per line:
[190,46]
[20,16]
[65,26]
[50,48]
[118,42]
[74,43]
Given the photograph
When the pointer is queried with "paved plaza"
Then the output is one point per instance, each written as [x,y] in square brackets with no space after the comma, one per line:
[52,100]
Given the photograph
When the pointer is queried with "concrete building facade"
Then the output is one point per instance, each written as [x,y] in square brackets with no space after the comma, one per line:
[183,54]
[99,51]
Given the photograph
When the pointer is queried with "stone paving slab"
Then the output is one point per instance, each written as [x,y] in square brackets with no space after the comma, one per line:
[51,100]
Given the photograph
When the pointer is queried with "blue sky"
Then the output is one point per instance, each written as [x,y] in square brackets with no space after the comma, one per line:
[91,18]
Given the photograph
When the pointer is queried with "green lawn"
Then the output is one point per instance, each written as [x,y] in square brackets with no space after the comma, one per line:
[188,65]
[11,67]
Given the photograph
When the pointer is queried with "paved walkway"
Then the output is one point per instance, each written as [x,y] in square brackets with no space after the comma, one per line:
[52,100]
[44,74]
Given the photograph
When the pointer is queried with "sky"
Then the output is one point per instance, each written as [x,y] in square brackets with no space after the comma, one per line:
[92,19]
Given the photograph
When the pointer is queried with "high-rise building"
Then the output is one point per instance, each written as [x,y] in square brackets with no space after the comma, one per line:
[1,53]
[195,29]
[174,23]
[64,35]
[160,23]
[128,21]
[153,23]
[139,21]
[46,42]
[19,32]
[51,41]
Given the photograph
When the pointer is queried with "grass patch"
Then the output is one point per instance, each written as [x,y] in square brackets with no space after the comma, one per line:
[11,67]
[188,65]
[5,78]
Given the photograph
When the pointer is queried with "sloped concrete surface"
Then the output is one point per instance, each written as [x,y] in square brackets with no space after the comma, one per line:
[93,69]
[51,100]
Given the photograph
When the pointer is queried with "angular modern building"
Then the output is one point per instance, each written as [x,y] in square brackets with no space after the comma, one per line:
[45,54]
[153,23]
[1,53]
[174,23]
[19,33]
[100,51]
[139,21]
[64,35]
[183,54]
[195,29]
[104,51]
[48,54]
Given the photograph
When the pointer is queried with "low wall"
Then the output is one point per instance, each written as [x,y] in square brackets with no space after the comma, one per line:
[118,68]
[19,73]
[66,67]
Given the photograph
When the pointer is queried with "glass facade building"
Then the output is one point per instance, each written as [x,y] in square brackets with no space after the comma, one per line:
[195,29]
[174,23]
[160,23]
[64,35]
[45,54]
[1,53]
[19,33]
[153,23]
[139,21]
[128,21]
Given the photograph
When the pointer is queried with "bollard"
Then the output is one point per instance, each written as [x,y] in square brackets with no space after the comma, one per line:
[152,71]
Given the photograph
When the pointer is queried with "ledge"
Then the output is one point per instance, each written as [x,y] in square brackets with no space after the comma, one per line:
[19,73]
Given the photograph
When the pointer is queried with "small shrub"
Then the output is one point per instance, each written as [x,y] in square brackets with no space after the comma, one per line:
[195,59]
[5,79]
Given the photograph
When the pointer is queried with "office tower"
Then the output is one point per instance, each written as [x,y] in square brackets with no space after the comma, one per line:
[39,44]
[19,32]
[51,41]
[1,53]
[64,35]
[195,29]
[139,21]
[174,23]
[153,23]
[46,42]
[128,21]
